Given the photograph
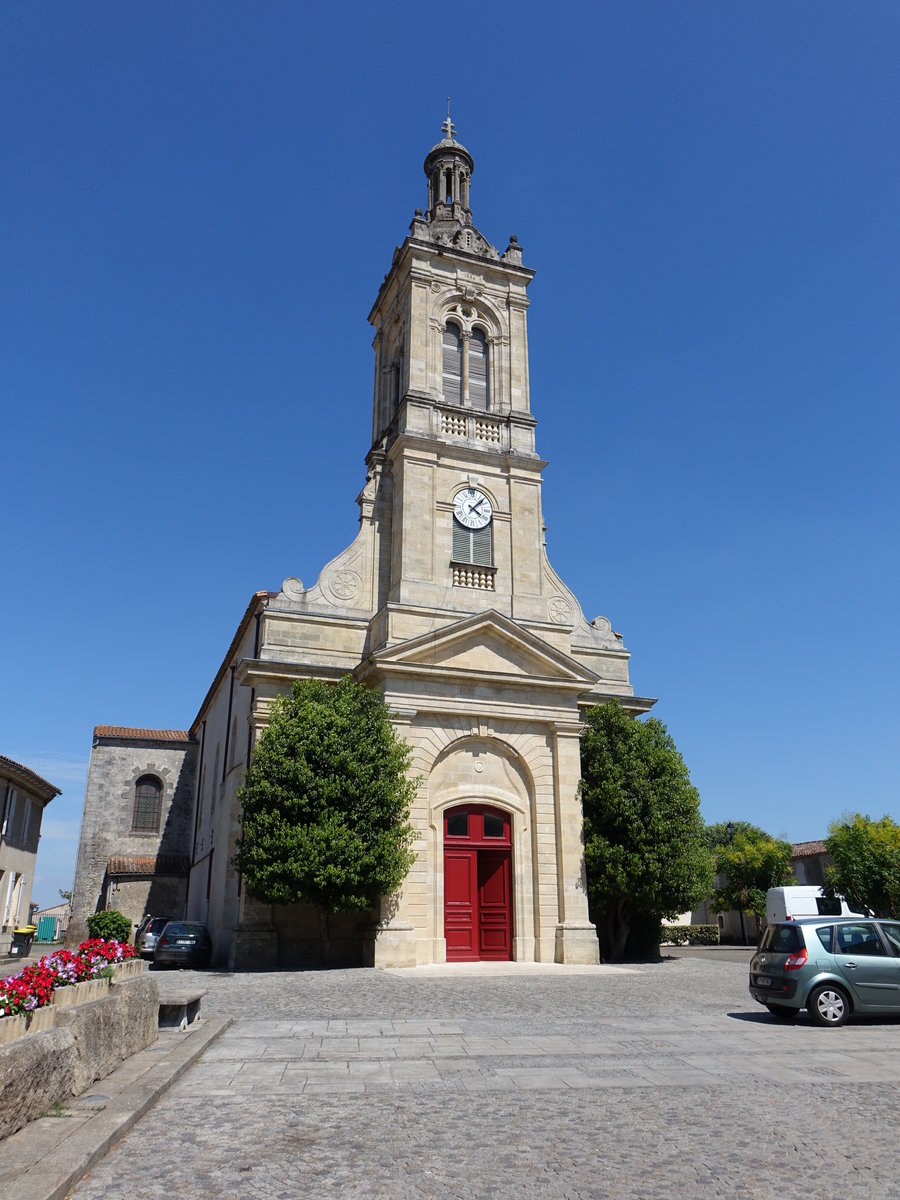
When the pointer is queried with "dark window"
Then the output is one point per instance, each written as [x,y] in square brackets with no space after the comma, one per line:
[861,941]
[782,939]
[147,805]
[828,908]
[494,826]
[458,825]
[891,931]
[826,937]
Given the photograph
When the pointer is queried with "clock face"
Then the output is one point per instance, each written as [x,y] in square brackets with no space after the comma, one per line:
[472,508]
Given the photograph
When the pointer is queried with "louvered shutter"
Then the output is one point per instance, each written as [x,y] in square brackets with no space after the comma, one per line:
[452,365]
[473,546]
[481,547]
[478,371]
[462,543]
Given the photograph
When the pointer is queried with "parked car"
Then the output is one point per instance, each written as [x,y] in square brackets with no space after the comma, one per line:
[183,944]
[832,968]
[147,934]
[803,900]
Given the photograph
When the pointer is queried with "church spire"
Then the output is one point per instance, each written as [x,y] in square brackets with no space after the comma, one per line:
[449,168]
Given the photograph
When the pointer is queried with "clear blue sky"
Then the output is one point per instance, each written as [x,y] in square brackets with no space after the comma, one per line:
[200,201]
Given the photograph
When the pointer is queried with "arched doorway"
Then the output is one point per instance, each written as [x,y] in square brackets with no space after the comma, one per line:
[477,883]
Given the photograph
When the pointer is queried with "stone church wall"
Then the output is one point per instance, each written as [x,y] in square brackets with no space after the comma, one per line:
[106,827]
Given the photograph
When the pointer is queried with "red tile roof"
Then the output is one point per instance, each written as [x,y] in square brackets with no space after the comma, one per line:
[28,779]
[161,864]
[808,849]
[142,735]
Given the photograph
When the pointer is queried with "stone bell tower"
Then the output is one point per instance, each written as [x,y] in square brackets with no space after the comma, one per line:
[451,411]
[447,604]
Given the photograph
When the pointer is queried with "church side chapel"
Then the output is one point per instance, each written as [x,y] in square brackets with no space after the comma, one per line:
[446,603]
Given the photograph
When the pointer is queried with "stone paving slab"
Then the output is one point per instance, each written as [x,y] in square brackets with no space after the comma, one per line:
[662,1084]
[46,1159]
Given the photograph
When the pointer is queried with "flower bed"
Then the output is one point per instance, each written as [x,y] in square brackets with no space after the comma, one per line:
[34,986]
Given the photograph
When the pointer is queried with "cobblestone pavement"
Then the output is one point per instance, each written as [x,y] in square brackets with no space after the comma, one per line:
[666,1081]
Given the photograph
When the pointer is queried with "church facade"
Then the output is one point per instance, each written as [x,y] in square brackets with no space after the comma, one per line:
[446,603]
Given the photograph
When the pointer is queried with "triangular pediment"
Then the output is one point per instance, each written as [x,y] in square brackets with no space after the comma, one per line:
[487,645]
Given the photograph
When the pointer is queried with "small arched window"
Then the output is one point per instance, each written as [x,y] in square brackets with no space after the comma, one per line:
[147,805]
[478,371]
[452,367]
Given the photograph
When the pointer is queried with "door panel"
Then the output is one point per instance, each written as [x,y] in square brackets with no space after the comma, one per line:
[873,974]
[461,904]
[494,924]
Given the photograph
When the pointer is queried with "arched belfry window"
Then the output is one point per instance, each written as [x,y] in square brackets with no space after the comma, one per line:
[452,367]
[478,371]
[147,805]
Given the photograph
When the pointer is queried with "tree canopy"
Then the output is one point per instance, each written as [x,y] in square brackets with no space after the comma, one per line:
[325,801]
[751,862]
[866,866]
[645,849]
[720,833]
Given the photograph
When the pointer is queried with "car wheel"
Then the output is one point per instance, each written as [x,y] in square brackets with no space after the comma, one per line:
[782,1011]
[828,1005]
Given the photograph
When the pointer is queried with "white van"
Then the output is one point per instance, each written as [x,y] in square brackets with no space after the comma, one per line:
[789,903]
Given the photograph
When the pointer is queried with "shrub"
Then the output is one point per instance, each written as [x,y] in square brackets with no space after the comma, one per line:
[110,925]
[694,935]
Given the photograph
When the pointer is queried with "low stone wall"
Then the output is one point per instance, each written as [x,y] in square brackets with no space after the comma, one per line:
[70,1045]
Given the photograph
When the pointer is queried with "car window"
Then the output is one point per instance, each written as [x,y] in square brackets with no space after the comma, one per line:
[826,936]
[157,925]
[860,940]
[828,908]
[891,930]
[782,939]
[176,928]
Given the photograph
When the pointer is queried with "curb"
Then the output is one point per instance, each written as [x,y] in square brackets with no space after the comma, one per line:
[48,1157]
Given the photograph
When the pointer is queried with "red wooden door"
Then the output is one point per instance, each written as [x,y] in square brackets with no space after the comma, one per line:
[477,884]
[494,915]
[461,903]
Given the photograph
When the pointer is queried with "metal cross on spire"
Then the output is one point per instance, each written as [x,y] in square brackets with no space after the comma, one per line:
[448,128]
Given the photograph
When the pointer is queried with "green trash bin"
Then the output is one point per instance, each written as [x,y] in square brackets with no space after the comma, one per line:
[23,935]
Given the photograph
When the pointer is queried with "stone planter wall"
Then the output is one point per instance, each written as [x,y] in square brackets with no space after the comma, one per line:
[12,1028]
[61,1049]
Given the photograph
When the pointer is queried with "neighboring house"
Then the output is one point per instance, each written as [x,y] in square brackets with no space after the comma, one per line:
[52,922]
[808,862]
[23,797]
[135,828]
[446,603]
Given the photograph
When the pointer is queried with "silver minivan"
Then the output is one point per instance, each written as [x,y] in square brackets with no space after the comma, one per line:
[830,967]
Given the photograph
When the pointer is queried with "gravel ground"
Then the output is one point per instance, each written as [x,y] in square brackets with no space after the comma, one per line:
[667,1082]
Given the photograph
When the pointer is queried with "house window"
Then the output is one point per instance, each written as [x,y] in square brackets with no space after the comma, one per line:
[452,365]
[147,805]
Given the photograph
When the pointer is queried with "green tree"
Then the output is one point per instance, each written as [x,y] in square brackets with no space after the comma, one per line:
[751,862]
[325,802]
[866,864]
[643,835]
[111,925]
[719,833]
[65,895]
